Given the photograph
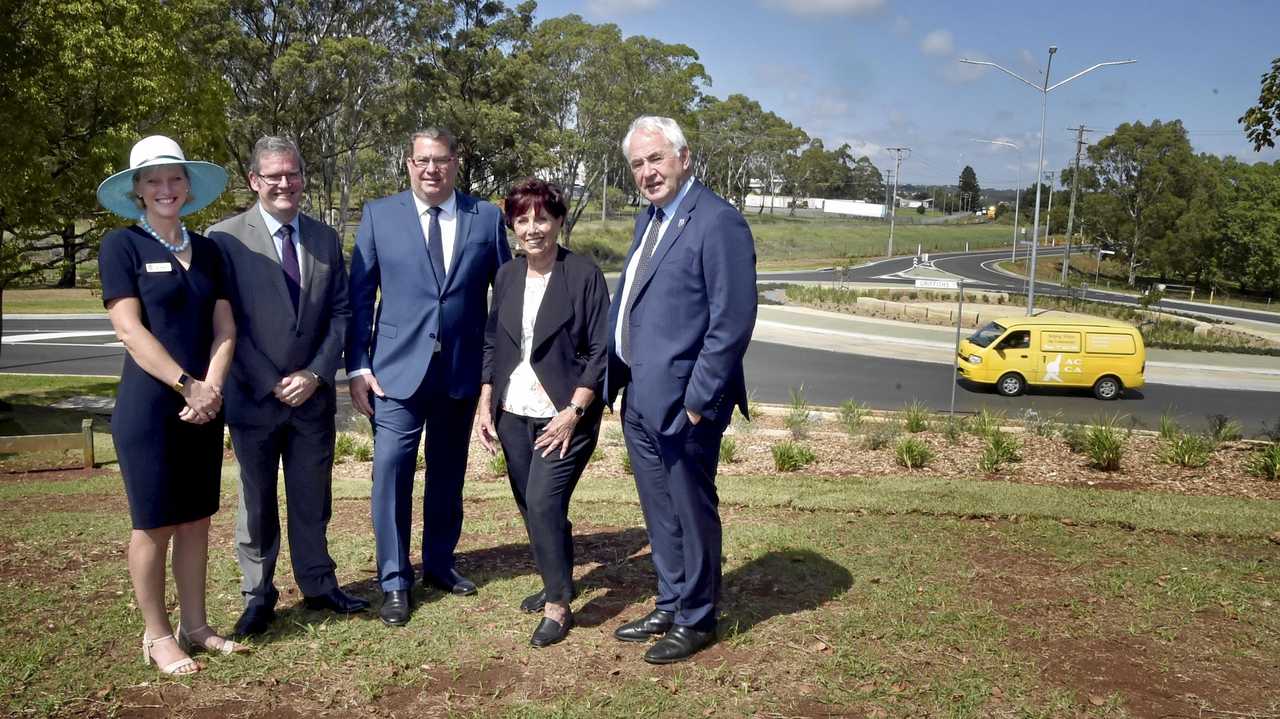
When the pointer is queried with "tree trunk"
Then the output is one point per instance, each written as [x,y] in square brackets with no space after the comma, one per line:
[67,278]
[1133,258]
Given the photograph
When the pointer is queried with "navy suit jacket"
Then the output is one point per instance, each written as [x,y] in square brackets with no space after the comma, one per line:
[692,316]
[398,339]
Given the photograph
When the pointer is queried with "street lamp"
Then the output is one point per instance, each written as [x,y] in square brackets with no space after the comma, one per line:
[1017,192]
[1044,91]
[1097,270]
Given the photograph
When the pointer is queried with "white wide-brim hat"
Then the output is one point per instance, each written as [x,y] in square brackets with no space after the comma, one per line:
[207,179]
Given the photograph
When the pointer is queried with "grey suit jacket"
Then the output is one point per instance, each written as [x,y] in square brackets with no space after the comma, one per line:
[272,340]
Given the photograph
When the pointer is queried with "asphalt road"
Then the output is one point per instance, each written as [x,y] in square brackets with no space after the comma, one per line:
[974,266]
[828,378]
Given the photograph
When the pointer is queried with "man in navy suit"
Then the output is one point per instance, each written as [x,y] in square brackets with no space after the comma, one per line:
[415,361]
[680,323]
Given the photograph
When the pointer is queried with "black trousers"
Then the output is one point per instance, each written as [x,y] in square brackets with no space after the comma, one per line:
[542,487]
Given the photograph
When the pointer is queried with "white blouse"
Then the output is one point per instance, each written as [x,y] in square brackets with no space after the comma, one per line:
[525,395]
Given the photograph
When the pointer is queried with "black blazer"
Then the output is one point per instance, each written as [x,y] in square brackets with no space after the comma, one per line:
[570,334]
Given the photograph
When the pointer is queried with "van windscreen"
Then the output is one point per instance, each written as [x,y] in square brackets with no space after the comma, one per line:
[988,334]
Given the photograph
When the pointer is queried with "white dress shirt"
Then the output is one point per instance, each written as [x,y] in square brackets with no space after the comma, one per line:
[629,273]
[448,224]
[525,395]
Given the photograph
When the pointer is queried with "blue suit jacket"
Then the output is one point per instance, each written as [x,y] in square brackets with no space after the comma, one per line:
[415,311]
[692,316]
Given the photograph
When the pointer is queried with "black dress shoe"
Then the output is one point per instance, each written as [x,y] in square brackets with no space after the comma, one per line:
[254,621]
[653,624]
[678,645]
[550,631]
[395,608]
[537,601]
[454,583]
[336,600]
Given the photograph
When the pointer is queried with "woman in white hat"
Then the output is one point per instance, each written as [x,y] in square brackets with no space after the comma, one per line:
[164,289]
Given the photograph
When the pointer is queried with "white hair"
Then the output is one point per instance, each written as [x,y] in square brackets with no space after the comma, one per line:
[664,126]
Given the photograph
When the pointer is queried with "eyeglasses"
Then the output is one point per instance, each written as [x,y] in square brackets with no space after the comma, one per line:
[290,178]
[423,163]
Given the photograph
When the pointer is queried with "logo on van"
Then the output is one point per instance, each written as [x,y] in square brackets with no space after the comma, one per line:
[1054,368]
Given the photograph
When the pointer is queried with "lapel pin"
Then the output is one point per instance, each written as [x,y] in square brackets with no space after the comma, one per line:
[680,224]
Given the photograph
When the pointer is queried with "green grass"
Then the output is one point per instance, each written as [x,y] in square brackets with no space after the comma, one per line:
[893,597]
[50,301]
[797,242]
[28,399]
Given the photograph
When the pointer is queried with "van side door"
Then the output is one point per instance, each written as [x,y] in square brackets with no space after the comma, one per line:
[1061,359]
[1014,351]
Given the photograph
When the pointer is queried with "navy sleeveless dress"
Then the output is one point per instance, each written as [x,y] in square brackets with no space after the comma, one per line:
[172,469]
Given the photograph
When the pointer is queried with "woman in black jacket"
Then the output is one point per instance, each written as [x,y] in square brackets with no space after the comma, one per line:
[544,363]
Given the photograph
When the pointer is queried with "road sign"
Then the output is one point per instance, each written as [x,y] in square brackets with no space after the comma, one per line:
[937,284]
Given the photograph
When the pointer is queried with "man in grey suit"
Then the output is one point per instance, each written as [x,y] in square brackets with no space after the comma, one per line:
[288,287]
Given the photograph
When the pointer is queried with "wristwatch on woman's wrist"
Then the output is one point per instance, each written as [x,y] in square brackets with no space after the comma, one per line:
[578,411]
[181,384]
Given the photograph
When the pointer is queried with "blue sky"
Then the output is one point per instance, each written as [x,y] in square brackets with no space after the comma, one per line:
[881,73]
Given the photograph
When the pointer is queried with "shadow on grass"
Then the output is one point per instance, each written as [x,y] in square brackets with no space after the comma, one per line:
[776,584]
[624,578]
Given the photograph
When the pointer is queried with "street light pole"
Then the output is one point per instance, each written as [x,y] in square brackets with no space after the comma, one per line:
[1017,192]
[1044,90]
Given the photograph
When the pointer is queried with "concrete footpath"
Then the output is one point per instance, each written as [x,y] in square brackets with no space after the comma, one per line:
[870,336]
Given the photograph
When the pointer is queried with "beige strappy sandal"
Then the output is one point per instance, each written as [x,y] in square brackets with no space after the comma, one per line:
[186,665]
[211,643]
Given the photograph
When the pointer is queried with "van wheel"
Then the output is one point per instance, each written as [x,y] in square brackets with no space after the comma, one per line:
[1107,388]
[1011,384]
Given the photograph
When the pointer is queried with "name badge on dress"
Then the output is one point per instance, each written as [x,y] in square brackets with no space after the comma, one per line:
[159,267]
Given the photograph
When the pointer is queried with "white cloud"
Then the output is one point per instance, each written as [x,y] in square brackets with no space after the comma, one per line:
[612,8]
[960,73]
[828,7]
[938,42]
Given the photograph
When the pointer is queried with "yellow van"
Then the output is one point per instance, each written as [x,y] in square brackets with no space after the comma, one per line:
[1055,349]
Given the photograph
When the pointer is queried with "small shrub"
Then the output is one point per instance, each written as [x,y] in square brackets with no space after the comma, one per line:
[1001,449]
[597,454]
[1187,450]
[1040,425]
[851,415]
[1074,435]
[798,416]
[1224,429]
[1104,445]
[1271,431]
[728,449]
[344,446]
[954,428]
[790,456]
[1265,463]
[626,463]
[881,436]
[912,453]
[1169,429]
[985,422]
[915,418]
[498,464]
[362,450]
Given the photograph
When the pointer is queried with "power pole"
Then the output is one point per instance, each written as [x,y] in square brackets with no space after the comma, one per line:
[888,183]
[1048,215]
[604,191]
[1071,213]
[893,205]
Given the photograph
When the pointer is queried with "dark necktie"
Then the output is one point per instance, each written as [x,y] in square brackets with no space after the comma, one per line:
[642,265]
[289,263]
[435,244]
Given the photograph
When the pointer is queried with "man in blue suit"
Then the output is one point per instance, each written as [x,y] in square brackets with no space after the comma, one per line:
[414,362]
[680,323]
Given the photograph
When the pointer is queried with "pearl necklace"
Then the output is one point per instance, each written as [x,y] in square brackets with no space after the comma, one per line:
[180,247]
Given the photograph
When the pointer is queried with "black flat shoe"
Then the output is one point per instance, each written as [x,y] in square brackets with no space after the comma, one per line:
[255,620]
[395,608]
[653,624]
[678,645]
[336,600]
[550,631]
[454,583]
[537,601]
